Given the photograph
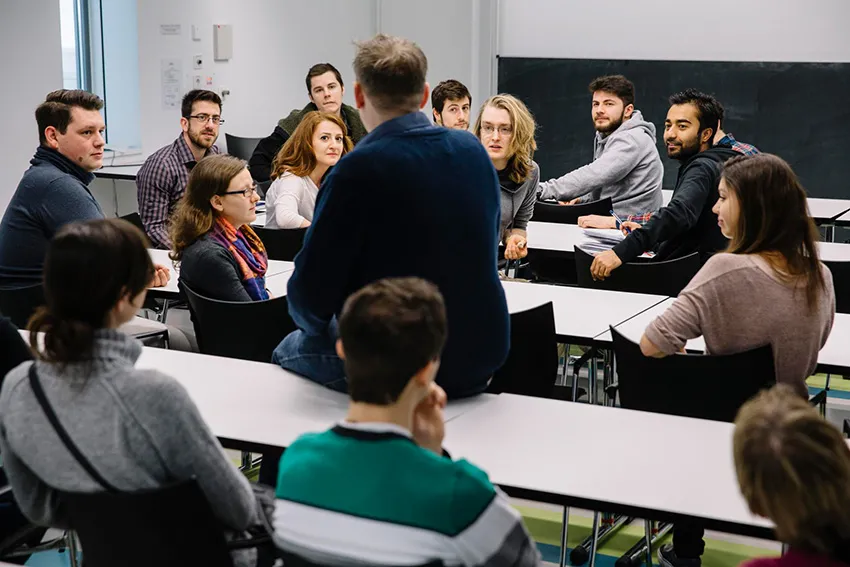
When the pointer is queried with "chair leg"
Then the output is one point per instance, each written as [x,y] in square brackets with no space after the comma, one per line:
[565,526]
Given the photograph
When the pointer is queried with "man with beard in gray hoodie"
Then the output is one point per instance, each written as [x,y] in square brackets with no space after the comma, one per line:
[626,165]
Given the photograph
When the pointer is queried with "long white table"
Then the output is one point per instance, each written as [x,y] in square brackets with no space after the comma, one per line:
[621,471]
[580,314]
[833,358]
[253,406]
[124,172]
[277,285]
[563,238]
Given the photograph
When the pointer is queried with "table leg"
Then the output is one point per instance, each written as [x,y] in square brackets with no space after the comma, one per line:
[595,540]
[648,536]
[829,232]
[565,526]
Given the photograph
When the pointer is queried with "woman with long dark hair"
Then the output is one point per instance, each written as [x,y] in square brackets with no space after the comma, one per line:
[138,429]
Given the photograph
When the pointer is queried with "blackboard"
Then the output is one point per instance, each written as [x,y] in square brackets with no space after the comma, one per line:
[799,111]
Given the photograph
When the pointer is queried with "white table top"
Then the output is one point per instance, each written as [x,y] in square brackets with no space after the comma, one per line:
[580,314]
[276,267]
[251,404]
[127,172]
[834,251]
[621,470]
[820,209]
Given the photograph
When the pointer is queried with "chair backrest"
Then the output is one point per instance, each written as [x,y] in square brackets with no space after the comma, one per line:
[661,278]
[241,147]
[569,214]
[281,243]
[217,323]
[690,385]
[168,527]
[532,364]
[136,220]
[841,283]
[263,188]
[19,304]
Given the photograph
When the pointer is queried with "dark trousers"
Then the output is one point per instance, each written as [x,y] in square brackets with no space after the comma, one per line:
[687,539]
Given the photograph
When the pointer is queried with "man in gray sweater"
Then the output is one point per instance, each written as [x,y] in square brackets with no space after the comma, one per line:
[626,165]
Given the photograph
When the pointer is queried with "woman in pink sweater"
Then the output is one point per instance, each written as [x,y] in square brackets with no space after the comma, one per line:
[794,468]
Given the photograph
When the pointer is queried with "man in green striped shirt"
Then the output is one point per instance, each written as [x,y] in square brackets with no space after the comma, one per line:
[378,489]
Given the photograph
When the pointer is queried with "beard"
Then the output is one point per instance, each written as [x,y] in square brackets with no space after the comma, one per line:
[611,126]
[195,137]
[686,151]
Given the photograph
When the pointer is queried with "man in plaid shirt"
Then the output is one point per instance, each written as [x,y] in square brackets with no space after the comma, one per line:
[721,139]
[162,179]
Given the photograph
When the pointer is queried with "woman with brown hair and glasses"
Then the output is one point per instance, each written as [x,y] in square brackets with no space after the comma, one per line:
[793,468]
[220,255]
[317,144]
[768,287]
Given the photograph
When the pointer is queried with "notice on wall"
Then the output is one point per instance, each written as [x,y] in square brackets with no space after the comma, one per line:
[171,75]
[169,29]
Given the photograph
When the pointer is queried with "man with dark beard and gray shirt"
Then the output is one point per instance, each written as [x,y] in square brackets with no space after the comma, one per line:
[626,165]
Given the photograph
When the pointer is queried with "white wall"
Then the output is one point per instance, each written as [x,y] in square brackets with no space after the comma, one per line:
[274,44]
[31,67]
[455,36]
[721,30]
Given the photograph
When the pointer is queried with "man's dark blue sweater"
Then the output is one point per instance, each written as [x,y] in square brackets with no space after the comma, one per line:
[412,200]
[53,192]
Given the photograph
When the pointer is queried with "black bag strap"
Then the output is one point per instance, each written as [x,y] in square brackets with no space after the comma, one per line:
[35,384]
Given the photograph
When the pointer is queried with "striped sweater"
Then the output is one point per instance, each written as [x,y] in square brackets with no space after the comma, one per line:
[365,493]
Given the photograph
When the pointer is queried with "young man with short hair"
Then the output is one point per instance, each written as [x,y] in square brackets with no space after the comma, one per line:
[450,103]
[163,177]
[54,190]
[626,165]
[325,90]
[412,199]
[381,478]
[687,224]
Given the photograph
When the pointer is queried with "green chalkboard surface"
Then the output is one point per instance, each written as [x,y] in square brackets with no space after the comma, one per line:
[800,111]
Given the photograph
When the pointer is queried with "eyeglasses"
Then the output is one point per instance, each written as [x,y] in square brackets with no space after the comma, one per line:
[247,193]
[488,129]
[204,118]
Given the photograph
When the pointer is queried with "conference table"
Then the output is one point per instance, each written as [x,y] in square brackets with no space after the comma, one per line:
[564,238]
[122,172]
[513,439]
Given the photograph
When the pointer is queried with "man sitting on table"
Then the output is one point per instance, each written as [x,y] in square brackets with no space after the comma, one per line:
[162,179]
[381,477]
[54,190]
[687,224]
[325,90]
[450,102]
[626,165]
[438,200]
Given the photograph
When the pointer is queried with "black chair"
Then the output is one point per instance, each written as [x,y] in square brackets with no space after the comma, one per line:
[215,321]
[569,214]
[841,282]
[19,304]
[135,220]
[241,147]
[661,278]
[167,527]
[531,368]
[690,385]
[281,243]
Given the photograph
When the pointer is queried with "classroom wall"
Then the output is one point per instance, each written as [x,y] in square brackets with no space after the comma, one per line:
[723,30]
[31,67]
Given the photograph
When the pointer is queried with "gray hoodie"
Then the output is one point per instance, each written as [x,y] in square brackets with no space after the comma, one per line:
[626,167]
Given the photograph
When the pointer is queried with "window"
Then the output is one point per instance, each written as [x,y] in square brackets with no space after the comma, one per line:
[100,54]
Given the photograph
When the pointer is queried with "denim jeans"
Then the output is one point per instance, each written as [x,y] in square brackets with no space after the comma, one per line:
[314,357]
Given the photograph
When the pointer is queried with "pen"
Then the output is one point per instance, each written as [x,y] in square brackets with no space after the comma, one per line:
[619,221]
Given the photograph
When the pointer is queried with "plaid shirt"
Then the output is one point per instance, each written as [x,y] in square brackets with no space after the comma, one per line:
[160,183]
[727,141]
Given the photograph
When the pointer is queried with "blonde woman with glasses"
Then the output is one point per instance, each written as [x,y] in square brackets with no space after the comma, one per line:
[794,468]
[506,129]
